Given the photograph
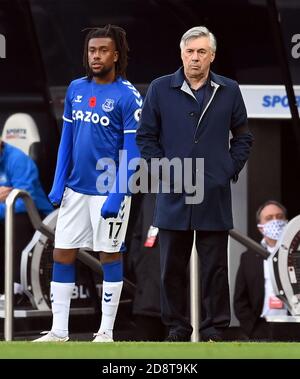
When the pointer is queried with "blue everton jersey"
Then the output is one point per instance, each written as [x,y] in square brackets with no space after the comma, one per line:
[100,115]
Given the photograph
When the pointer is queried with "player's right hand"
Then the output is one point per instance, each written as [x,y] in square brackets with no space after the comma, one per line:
[55,198]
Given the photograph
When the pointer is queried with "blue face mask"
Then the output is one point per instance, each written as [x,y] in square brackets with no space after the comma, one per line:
[273,229]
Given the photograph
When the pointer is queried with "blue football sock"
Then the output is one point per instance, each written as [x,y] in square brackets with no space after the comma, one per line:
[63,273]
[113,271]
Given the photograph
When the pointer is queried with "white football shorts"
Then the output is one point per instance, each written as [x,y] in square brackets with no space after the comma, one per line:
[80,225]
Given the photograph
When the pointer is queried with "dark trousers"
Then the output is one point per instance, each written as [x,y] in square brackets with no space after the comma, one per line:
[175,252]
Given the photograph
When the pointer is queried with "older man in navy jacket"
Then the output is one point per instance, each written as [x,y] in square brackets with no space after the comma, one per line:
[189,114]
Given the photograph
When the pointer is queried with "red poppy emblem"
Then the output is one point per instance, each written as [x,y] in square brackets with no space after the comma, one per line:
[92,101]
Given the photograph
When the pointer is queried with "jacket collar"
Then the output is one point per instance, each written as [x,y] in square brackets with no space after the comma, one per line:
[178,78]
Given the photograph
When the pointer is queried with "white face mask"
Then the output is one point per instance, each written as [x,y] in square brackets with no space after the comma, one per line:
[273,229]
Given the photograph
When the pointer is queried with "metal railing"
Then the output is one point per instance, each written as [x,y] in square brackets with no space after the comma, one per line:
[37,223]
[194,277]
[90,261]
[194,292]
[9,249]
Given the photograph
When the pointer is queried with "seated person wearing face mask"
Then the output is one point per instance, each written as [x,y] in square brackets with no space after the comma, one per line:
[254,298]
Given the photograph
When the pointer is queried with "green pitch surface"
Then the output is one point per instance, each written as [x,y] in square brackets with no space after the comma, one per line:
[149,350]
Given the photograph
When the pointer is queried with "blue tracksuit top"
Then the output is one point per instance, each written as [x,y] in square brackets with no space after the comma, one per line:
[18,170]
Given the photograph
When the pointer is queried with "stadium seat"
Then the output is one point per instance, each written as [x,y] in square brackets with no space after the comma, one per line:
[20,130]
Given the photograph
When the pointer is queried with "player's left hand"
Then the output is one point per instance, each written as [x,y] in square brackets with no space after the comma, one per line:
[111,206]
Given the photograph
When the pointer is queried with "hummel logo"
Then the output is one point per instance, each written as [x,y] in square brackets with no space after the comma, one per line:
[78,99]
[114,243]
[107,297]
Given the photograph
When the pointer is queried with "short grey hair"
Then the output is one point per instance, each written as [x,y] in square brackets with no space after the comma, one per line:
[196,32]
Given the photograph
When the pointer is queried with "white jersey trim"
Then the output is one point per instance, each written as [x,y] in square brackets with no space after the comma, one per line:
[67,119]
[129,131]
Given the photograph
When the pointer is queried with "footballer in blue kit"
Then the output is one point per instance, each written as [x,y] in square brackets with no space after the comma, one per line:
[103,114]
[100,120]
